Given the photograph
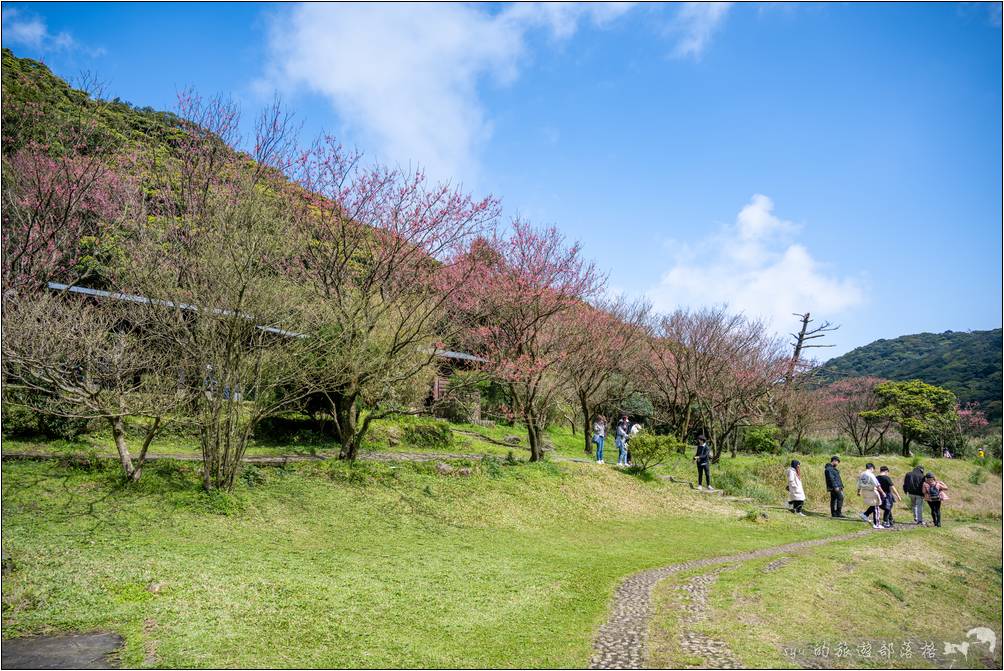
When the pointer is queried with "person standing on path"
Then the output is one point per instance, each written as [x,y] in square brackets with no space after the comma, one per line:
[703,459]
[599,435]
[913,483]
[935,491]
[868,490]
[796,494]
[889,496]
[620,440]
[835,486]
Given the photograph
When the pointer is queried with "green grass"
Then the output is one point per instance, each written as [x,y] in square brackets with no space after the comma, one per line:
[377,564]
[329,564]
[925,585]
[762,478]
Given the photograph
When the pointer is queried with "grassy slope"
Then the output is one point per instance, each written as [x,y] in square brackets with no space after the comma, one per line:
[763,479]
[324,564]
[330,565]
[926,585]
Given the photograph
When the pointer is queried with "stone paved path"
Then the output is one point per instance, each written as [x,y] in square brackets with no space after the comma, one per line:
[714,654]
[622,638]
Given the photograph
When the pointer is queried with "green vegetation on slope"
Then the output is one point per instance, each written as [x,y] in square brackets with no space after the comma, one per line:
[923,586]
[968,363]
[331,564]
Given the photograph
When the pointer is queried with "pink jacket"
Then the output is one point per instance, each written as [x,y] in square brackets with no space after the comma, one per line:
[942,489]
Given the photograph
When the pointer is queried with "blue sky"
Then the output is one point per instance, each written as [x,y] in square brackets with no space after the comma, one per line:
[839,158]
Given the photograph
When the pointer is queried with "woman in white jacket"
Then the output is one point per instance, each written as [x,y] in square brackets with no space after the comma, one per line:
[796,494]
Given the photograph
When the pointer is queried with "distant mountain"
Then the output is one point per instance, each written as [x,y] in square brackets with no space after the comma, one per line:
[968,363]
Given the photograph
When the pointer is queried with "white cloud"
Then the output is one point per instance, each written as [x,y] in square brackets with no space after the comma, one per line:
[755,267]
[404,77]
[696,23]
[30,31]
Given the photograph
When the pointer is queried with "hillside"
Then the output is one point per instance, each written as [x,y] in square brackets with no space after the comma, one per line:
[968,363]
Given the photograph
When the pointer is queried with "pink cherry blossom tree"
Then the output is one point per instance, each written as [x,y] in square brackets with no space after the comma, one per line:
[523,287]
[384,255]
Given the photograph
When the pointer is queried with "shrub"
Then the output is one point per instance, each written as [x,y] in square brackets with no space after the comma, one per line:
[67,428]
[978,476]
[434,434]
[648,450]
[761,439]
[19,421]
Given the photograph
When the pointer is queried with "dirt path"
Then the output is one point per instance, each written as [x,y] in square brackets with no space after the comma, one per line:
[260,461]
[622,638]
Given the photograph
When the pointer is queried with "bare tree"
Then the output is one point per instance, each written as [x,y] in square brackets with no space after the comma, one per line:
[845,400]
[383,255]
[68,357]
[213,260]
[714,370]
[603,347]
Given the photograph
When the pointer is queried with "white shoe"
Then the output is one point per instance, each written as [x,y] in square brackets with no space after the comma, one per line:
[803,514]
[710,488]
[700,488]
[864,518]
[876,526]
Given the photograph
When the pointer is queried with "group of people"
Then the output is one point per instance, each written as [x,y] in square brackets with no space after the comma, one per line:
[878,492]
[623,433]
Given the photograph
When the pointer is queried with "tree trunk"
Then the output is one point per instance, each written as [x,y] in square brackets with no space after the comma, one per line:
[118,434]
[343,409]
[585,425]
[906,445]
[533,433]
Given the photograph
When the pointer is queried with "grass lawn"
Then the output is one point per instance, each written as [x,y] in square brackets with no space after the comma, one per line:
[383,564]
[327,564]
[929,585]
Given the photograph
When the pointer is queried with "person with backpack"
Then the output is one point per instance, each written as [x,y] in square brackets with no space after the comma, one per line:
[620,440]
[889,496]
[599,435]
[835,486]
[913,483]
[796,494]
[868,490]
[703,459]
[935,491]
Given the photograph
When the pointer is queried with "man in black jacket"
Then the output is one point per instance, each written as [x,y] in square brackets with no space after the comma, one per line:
[703,459]
[835,486]
[913,483]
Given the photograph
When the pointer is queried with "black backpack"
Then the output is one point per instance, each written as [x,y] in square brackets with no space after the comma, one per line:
[933,492]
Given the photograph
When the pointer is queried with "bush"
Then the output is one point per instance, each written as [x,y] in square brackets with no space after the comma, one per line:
[761,439]
[67,428]
[648,450]
[434,434]
[19,421]
[978,476]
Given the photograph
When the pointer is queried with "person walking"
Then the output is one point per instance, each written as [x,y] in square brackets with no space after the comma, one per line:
[835,486]
[796,494]
[935,491]
[913,483]
[620,440]
[703,459]
[889,496]
[868,490]
[599,435]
